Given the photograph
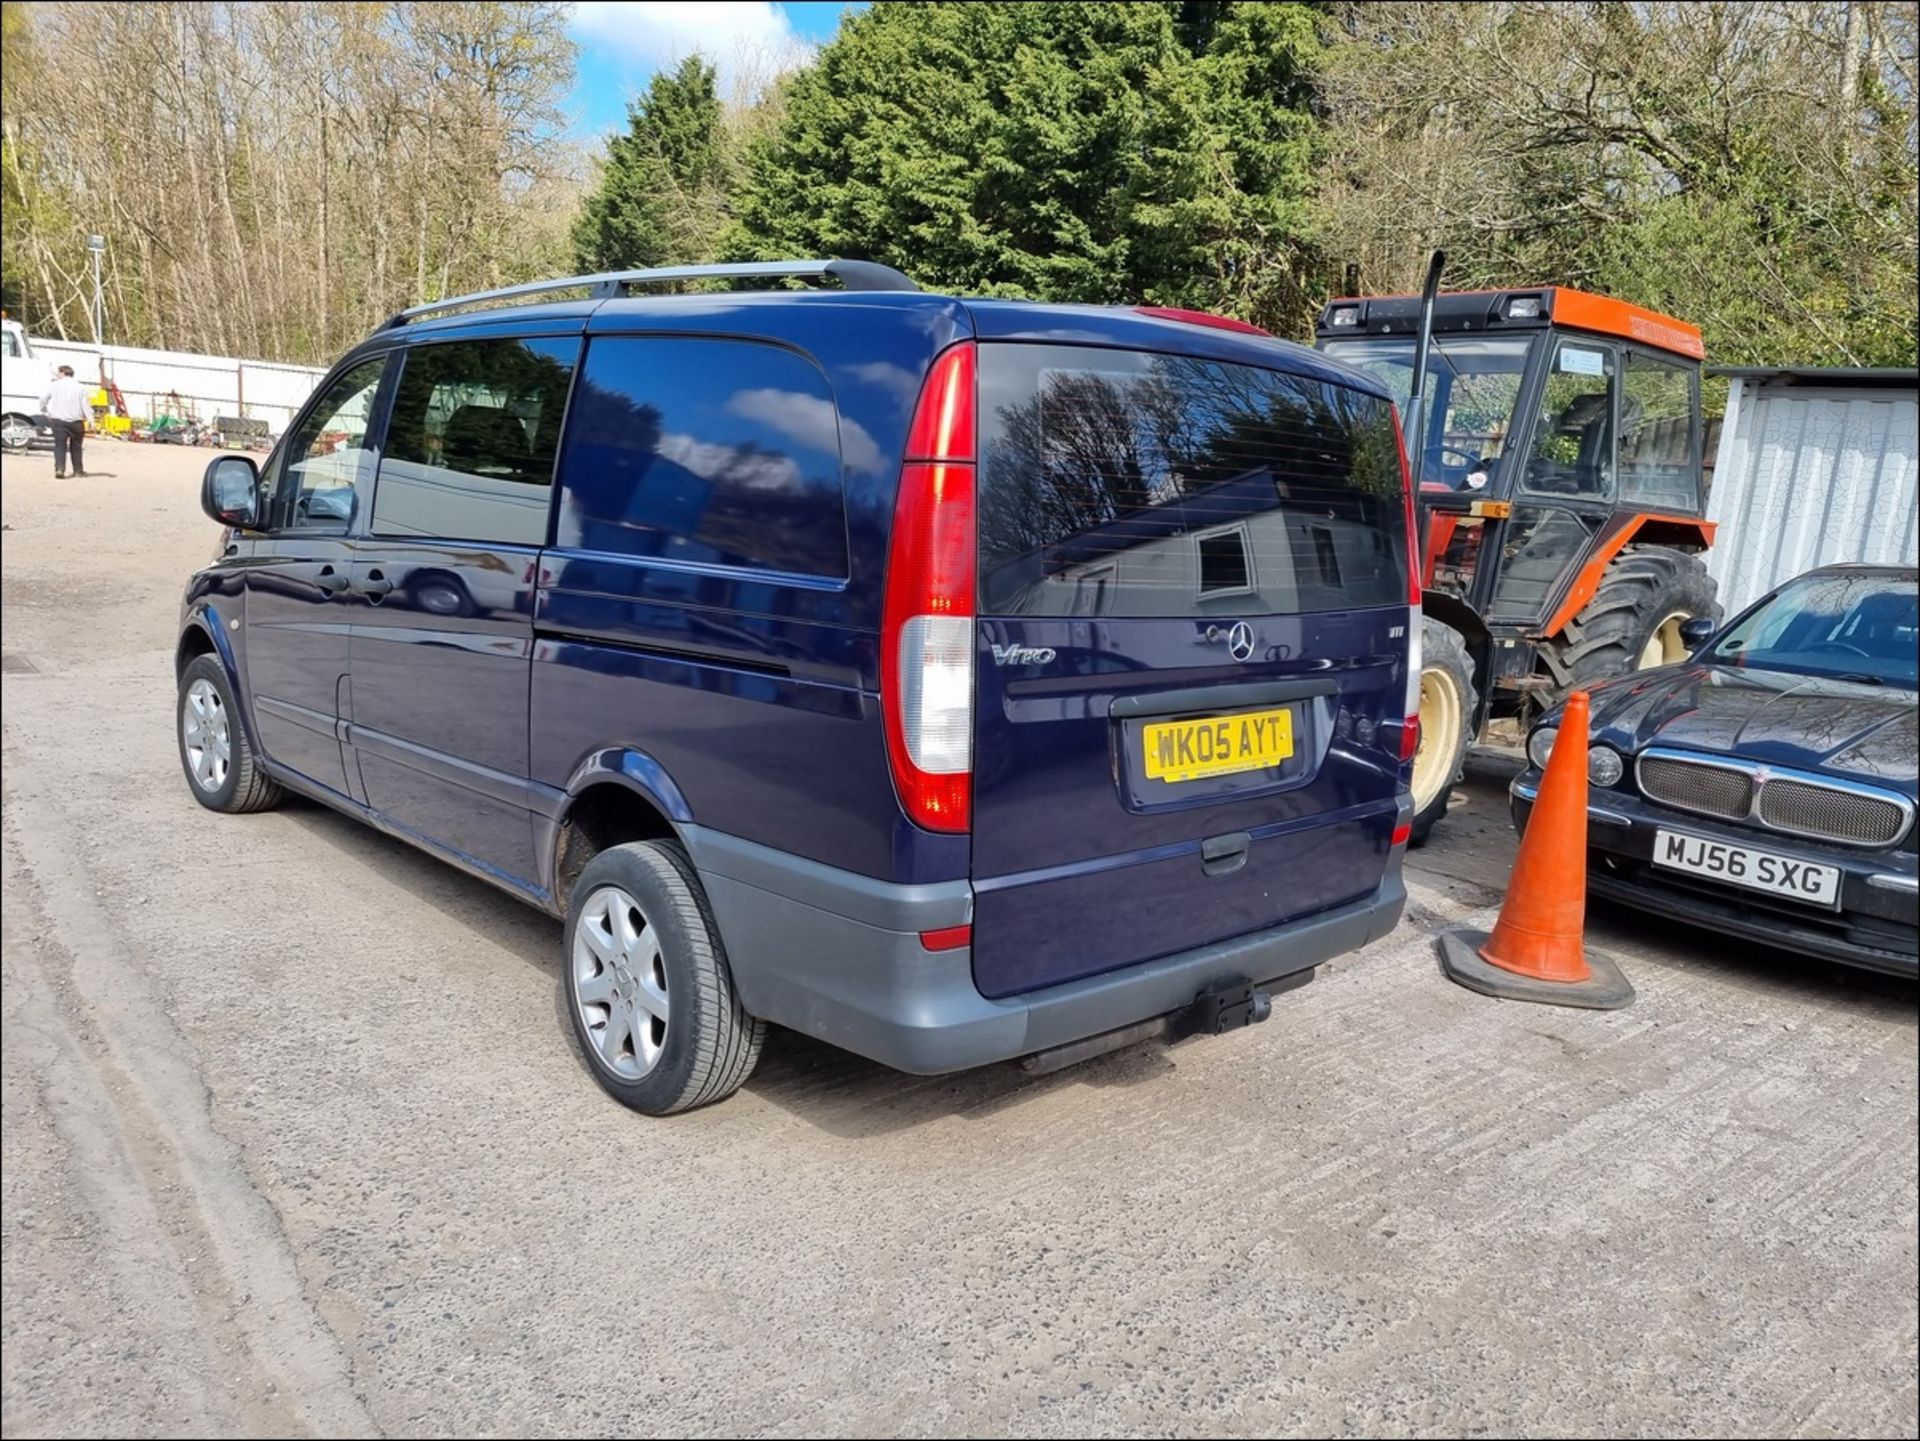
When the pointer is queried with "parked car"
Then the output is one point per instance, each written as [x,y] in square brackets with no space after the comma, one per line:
[1766,787]
[954,681]
[26,377]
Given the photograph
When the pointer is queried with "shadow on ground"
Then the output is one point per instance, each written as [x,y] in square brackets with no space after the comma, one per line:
[1474,847]
[851,1097]
[841,1093]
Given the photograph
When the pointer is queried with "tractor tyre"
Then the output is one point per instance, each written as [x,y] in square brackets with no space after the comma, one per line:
[1448,704]
[1633,621]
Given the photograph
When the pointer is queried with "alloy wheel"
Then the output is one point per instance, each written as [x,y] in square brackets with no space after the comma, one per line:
[207,735]
[620,983]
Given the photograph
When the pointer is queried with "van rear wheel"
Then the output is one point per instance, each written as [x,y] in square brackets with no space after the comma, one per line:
[648,988]
[1448,702]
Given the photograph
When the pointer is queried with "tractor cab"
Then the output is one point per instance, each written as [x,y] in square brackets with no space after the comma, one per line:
[1559,455]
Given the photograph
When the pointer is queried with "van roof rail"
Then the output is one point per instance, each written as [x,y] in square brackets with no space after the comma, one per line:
[608,284]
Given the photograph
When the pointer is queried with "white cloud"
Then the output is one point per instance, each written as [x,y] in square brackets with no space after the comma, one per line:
[812,421]
[904,383]
[749,42]
[750,470]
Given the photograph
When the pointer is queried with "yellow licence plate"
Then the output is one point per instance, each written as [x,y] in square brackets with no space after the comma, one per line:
[1189,750]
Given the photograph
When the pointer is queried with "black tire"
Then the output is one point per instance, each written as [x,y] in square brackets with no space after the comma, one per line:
[1641,588]
[245,787]
[1443,661]
[710,1043]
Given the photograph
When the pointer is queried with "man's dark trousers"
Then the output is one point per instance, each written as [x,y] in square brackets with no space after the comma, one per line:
[67,435]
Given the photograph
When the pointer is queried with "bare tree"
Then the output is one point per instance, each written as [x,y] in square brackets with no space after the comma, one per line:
[274,180]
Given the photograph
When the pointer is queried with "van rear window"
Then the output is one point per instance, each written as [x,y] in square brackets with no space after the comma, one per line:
[1121,483]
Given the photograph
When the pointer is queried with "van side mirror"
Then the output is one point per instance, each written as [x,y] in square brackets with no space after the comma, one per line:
[1697,630]
[230,491]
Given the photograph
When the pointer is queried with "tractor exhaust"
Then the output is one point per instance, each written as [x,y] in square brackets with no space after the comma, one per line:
[1412,425]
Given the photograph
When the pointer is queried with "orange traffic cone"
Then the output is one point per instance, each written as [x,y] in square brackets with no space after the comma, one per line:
[1535,952]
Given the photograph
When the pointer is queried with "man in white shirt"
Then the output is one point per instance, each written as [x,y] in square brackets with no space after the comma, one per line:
[66,409]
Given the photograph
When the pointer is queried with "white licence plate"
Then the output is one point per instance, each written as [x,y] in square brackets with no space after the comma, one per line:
[1777,875]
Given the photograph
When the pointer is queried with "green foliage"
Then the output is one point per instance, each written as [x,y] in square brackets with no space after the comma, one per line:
[25,205]
[1747,165]
[660,200]
[1097,152]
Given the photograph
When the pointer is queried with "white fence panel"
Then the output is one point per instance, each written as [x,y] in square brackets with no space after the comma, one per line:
[85,359]
[1812,476]
[208,386]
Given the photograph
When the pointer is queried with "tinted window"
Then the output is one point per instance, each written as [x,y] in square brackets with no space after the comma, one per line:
[1473,385]
[1542,546]
[327,455]
[1859,627]
[1656,435]
[1127,484]
[471,443]
[1572,450]
[716,451]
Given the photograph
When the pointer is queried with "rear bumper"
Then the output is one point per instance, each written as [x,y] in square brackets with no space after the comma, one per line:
[1874,927]
[838,956]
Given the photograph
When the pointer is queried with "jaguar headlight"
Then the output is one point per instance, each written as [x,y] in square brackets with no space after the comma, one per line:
[1604,766]
[1540,745]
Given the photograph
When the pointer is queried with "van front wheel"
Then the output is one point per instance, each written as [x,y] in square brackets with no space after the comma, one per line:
[221,769]
[648,988]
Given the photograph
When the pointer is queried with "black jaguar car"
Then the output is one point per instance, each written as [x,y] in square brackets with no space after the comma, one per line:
[1766,788]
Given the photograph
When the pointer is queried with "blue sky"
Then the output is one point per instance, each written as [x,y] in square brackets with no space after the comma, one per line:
[623,44]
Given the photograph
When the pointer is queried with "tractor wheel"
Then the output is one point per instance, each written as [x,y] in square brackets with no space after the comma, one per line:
[1448,702]
[1633,621]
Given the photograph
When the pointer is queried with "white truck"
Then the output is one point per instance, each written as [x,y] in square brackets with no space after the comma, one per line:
[22,384]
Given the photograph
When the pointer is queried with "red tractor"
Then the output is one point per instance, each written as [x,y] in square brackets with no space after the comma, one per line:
[1556,444]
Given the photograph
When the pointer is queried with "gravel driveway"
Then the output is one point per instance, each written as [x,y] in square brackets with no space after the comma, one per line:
[295,1140]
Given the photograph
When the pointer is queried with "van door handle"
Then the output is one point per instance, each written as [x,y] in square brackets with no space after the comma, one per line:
[375,585]
[1223,855]
[330,580]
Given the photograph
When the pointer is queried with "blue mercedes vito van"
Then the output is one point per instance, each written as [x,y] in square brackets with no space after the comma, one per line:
[952,680]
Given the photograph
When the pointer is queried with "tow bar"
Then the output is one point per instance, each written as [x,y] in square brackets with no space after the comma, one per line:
[1223,1006]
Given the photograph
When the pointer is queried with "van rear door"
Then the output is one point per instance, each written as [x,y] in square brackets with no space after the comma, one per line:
[1193,633]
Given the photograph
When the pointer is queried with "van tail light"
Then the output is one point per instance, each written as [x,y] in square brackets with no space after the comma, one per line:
[927,624]
[1413,514]
[1410,727]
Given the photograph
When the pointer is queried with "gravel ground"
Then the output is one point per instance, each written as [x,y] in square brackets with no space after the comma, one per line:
[296,1141]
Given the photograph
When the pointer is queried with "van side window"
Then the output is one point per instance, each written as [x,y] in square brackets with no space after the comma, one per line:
[712,451]
[326,457]
[1656,435]
[470,446]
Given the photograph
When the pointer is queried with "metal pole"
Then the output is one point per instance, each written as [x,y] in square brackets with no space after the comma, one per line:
[97,246]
